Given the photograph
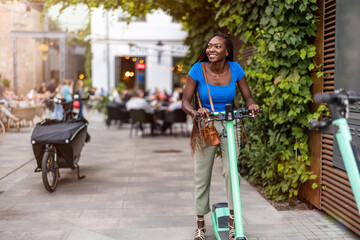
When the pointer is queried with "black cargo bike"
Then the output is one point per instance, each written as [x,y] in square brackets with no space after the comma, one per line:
[58,143]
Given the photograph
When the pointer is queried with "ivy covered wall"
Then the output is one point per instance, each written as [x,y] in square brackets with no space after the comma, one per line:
[277,154]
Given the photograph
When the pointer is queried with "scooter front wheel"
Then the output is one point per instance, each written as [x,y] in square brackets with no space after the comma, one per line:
[50,171]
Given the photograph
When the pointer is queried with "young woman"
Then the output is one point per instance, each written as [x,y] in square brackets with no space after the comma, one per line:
[222,75]
[80,91]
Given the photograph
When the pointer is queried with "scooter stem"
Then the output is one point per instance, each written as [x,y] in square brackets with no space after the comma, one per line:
[343,138]
[234,174]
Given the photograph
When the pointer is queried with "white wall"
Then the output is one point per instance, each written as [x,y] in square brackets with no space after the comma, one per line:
[159,75]
[99,67]
[143,36]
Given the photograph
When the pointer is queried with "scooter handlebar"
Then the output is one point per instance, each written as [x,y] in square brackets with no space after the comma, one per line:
[242,111]
[337,97]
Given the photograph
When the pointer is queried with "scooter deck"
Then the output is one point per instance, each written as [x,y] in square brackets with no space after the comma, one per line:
[220,218]
[223,235]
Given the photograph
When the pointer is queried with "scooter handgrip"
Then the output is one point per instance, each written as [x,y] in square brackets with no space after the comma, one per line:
[324,97]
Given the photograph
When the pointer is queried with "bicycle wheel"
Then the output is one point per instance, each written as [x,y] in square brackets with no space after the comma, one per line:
[50,171]
[2,131]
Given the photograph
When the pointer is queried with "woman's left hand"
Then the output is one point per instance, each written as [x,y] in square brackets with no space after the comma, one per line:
[253,109]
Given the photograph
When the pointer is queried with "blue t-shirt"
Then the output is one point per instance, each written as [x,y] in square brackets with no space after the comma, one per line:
[220,95]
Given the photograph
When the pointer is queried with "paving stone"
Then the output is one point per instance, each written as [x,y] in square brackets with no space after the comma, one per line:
[132,192]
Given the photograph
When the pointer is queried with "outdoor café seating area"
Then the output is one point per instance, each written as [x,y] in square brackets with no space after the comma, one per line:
[145,113]
[28,114]
[19,110]
[177,120]
[149,113]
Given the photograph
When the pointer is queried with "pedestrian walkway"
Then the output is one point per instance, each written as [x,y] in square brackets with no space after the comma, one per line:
[138,188]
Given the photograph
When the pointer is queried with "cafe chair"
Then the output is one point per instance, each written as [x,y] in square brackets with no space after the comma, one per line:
[116,112]
[180,117]
[139,116]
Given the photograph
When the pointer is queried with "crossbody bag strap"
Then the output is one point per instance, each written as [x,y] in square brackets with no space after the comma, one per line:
[211,102]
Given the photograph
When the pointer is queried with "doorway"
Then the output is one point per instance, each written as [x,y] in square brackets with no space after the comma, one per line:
[130,70]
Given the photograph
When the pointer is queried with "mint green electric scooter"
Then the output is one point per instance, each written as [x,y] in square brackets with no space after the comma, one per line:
[220,211]
[338,105]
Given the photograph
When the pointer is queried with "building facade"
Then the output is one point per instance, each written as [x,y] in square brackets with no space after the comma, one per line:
[16,16]
[142,54]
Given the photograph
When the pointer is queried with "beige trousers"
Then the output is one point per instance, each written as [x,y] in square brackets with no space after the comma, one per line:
[204,161]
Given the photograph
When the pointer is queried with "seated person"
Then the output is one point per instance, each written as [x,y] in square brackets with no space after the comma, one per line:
[5,114]
[172,107]
[156,103]
[136,102]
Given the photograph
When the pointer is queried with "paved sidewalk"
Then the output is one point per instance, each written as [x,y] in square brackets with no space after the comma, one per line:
[134,189]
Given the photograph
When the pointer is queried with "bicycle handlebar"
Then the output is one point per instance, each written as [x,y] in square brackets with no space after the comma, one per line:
[76,97]
[62,101]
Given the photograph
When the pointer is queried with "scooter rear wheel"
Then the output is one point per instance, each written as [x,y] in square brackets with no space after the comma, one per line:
[50,171]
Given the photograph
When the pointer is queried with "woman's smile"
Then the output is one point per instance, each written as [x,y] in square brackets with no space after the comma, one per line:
[212,56]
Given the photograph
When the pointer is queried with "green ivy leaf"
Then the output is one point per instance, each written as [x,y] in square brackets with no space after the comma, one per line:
[273,22]
[284,187]
[297,132]
[294,184]
[314,7]
[302,54]
[280,167]
[319,74]
[264,21]
[311,54]
[313,177]
[272,46]
[311,66]
[302,7]
[269,10]
[308,16]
